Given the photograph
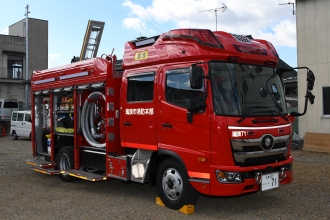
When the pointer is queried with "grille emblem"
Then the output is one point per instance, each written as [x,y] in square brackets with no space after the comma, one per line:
[267,142]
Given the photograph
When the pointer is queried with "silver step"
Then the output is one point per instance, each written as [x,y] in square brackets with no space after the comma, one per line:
[42,166]
[46,171]
[40,163]
[84,175]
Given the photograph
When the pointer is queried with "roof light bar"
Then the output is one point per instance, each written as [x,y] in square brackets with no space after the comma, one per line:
[248,49]
[145,42]
[273,49]
[202,36]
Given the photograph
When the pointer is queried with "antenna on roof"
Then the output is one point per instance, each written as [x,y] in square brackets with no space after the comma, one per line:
[215,10]
[154,26]
[182,51]
[289,3]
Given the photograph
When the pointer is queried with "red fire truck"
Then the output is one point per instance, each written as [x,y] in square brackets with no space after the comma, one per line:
[191,111]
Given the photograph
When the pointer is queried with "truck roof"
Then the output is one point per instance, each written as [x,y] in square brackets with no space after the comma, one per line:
[180,45]
[198,44]
[93,70]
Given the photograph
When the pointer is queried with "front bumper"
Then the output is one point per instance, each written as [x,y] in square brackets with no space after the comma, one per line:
[213,187]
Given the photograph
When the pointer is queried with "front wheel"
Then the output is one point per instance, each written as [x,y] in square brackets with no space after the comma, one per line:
[14,135]
[173,186]
[65,162]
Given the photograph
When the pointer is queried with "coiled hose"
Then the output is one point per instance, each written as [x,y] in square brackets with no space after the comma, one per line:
[87,120]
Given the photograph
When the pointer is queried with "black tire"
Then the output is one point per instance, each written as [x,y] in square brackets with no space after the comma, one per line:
[173,186]
[14,135]
[65,162]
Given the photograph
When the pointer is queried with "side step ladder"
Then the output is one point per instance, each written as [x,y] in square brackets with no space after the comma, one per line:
[85,175]
[43,166]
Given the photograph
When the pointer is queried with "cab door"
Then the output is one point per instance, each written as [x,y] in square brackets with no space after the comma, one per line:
[27,125]
[20,123]
[189,141]
[138,107]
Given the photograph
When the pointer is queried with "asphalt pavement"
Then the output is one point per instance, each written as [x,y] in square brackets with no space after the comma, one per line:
[26,194]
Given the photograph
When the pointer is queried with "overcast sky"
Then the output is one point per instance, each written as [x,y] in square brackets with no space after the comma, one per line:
[128,19]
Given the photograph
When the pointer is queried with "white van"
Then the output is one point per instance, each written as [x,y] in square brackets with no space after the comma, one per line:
[21,124]
[7,106]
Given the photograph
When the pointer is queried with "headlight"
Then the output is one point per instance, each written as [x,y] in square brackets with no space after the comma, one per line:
[228,177]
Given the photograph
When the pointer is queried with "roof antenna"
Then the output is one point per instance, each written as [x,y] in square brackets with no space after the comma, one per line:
[289,3]
[215,10]
[182,51]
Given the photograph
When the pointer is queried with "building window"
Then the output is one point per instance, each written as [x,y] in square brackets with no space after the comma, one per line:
[140,87]
[15,67]
[326,103]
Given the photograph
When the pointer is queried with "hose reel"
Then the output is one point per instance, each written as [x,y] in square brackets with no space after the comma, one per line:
[87,120]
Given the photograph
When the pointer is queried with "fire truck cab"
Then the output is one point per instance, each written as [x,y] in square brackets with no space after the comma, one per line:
[192,111]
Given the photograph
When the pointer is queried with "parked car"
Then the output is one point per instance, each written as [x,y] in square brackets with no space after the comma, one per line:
[21,124]
[7,106]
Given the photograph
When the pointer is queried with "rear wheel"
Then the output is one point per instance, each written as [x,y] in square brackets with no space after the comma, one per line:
[65,162]
[173,186]
[14,135]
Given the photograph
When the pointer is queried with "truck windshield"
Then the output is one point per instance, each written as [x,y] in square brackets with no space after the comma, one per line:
[243,89]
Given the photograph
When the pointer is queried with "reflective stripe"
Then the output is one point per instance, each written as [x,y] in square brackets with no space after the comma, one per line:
[257,128]
[199,175]
[140,146]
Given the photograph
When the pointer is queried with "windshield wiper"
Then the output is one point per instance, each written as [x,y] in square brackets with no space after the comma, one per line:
[248,111]
[278,113]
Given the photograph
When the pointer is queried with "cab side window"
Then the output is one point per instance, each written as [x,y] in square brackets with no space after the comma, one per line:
[14,117]
[28,117]
[20,116]
[178,90]
[140,87]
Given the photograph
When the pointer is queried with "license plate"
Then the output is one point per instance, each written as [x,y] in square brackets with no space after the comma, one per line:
[269,181]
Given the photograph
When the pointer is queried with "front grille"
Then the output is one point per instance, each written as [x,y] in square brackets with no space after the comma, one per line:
[280,145]
[262,160]
[247,152]
[251,148]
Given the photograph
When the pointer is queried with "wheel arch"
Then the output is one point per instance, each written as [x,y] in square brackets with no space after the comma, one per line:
[164,154]
[157,158]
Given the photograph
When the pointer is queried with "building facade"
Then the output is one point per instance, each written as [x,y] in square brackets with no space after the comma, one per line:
[313,44]
[13,57]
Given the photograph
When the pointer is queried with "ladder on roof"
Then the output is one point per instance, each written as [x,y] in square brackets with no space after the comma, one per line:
[92,39]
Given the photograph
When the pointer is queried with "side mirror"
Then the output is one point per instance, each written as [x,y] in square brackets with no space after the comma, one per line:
[196,77]
[310,80]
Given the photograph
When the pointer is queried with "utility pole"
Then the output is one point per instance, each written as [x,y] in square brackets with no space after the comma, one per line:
[27,57]
[215,10]
[289,3]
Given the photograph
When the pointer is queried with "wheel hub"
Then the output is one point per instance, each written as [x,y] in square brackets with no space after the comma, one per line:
[172,184]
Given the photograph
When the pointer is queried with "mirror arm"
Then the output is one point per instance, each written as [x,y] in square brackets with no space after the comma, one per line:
[190,117]
[305,109]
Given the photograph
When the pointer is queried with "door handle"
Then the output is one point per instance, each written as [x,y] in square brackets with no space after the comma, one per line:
[127,123]
[167,125]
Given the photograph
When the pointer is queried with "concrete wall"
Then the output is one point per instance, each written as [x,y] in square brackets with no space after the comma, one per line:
[38,42]
[11,46]
[313,43]
[14,45]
